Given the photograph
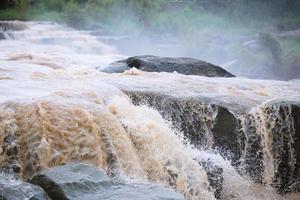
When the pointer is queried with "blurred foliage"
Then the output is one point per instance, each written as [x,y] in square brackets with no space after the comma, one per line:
[208,26]
[160,14]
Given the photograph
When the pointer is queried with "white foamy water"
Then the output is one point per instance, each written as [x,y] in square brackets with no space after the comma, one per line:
[54,101]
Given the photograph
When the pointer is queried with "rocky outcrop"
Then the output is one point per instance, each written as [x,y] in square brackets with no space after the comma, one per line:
[285,147]
[13,189]
[242,137]
[204,124]
[78,181]
[187,66]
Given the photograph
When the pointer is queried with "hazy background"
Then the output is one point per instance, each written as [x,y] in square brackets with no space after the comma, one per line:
[252,38]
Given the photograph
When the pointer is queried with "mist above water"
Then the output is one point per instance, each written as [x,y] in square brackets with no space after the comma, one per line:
[251,41]
[50,89]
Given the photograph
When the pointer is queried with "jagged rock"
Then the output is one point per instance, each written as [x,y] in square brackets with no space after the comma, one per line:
[13,189]
[187,66]
[78,181]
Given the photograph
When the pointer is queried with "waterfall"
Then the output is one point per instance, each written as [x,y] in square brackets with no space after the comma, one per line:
[207,138]
[116,137]
[274,130]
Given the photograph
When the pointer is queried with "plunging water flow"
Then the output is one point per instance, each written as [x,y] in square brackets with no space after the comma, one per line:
[56,108]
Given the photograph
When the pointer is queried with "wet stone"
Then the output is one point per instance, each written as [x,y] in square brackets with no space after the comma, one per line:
[13,189]
[187,66]
[77,181]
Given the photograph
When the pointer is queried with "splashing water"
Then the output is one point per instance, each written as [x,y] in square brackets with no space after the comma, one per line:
[275,126]
[56,108]
[118,138]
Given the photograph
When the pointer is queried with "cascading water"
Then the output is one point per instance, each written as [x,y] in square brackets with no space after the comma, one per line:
[189,117]
[56,108]
[275,130]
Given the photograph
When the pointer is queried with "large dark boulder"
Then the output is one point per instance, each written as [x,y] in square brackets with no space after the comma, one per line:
[78,181]
[187,66]
[13,189]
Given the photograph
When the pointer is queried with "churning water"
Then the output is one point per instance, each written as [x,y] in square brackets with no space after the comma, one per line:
[57,108]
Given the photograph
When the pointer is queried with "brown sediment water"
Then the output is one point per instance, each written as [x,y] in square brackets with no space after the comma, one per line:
[71,112]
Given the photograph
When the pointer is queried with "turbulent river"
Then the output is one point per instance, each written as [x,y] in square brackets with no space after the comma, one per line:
[60,109]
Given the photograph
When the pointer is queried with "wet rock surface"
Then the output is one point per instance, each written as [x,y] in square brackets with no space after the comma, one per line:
[295,186]
[2,36]
[13,189]
[286,151]
[187,66]
[78,181]
[202,123]
[276,125]
[241,137]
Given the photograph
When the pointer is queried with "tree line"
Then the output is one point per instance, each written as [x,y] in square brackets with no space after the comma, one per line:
[156,13]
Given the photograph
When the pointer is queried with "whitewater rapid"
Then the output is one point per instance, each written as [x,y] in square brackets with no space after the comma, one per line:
[60,109]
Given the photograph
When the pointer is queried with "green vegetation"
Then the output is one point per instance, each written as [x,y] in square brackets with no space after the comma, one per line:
[11,14]
[157,14]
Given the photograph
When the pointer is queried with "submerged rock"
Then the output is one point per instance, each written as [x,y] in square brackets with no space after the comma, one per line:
[13,189]
[187,66]
[78,181]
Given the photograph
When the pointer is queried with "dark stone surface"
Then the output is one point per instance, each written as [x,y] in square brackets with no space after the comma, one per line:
[13,189]
[287,178]
[251,161]
[227,135]
[295,185]
[77,181]
[187,66]
[194,117]
[238,136]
